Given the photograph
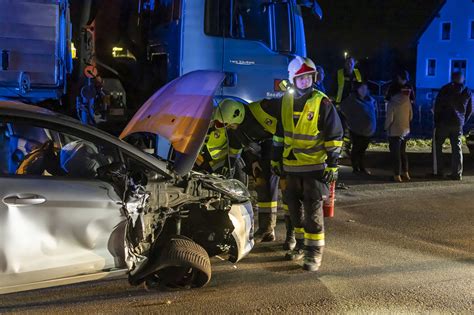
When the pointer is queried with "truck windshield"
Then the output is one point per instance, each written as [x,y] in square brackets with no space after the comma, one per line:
[250,20]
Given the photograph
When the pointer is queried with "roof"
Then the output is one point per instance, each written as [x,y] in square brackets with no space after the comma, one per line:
[430,20]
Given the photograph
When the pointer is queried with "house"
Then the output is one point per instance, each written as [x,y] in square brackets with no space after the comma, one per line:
[445,44]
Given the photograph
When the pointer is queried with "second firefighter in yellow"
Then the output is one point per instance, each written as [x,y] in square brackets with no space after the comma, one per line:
[307,144]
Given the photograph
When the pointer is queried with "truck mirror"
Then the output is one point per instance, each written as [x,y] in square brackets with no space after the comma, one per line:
[314,5]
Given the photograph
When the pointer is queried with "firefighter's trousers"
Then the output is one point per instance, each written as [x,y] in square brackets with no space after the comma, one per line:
[266,186]
[304,195]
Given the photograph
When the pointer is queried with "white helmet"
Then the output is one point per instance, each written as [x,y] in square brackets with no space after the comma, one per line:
[300,66]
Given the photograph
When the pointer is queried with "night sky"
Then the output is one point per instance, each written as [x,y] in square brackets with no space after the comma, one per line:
[381,34]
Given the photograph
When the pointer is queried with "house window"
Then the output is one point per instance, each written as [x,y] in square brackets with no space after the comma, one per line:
[459,65]
[471,30]
[431,68]
[446,31]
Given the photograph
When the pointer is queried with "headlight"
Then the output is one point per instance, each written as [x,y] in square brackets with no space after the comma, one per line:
[231,187]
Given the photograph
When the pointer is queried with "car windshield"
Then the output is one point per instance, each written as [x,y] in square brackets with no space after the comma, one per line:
[251,20]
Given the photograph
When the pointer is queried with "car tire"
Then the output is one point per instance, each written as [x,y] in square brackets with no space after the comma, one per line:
[184,264]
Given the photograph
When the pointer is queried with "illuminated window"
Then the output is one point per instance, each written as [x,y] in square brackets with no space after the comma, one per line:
[446,31]
[431,67]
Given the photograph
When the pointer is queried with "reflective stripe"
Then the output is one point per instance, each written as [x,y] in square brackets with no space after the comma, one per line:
[285,207]
[304,168]
[278,139]
[334,143]
[268,204]
[316,243]
[299,233]
[314,237]
[302,137]
[310,150]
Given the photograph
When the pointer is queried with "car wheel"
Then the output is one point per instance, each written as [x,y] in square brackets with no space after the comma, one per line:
[183,265]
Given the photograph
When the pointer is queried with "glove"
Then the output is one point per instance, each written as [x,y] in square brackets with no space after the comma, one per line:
[330,174]
[276,168]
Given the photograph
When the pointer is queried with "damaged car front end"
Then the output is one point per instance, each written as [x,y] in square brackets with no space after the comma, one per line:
[155,217]
[207,209]
[198,215]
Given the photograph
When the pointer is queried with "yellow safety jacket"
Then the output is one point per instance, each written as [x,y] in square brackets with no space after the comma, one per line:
[303,142]
[217,146]
[267,121]
[341,82]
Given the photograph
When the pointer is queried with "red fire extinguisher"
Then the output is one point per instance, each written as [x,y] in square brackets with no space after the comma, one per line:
[328,203]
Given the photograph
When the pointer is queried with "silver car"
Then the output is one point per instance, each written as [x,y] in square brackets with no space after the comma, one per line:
[77,204]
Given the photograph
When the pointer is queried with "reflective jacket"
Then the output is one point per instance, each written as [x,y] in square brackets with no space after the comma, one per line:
[258,127]
[341,80]
[216,150]
[312,134]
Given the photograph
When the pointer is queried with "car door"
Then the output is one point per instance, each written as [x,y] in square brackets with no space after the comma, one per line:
[60,223]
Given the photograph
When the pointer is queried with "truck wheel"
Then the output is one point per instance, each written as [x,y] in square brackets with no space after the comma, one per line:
[183,265]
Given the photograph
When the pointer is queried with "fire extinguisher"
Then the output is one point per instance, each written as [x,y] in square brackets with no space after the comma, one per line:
[328,203]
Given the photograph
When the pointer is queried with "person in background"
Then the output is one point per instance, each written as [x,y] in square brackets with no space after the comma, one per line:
[345,79]
[319,84]
[359,112]
[452,109]
[400,98]
[344,84]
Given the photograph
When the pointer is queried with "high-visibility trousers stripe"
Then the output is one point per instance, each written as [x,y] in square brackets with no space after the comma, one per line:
[268,207]
[315,243]
[269,204]
[315,237]
[299,233]
[285,207]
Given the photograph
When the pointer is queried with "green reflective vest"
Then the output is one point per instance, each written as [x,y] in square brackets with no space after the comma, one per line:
[304,148]
[217,146]
[341,82]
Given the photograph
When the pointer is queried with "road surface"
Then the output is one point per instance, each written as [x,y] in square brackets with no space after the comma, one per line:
[391,248]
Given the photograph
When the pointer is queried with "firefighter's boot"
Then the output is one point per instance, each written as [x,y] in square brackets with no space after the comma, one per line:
[290,241]
[313,257]
[266,227]
[297,253]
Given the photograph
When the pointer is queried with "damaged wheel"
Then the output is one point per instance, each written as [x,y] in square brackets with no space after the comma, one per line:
[183,265]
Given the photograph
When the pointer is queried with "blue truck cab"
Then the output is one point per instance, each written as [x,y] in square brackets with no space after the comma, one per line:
[251,41]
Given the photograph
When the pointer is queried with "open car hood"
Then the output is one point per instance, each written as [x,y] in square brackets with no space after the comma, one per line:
[180,112]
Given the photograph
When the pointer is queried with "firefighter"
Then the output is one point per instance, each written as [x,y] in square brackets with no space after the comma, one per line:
[216,156]
[254,136]
[346,77]
[307,144]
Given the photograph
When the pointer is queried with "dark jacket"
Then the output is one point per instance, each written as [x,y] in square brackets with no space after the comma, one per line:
[453,105]
[360,114]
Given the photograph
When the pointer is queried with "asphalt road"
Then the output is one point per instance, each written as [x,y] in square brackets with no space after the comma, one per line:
[391,248]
